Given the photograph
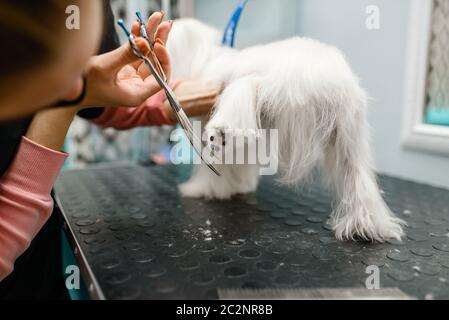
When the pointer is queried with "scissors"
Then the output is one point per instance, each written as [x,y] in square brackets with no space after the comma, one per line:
[161,79]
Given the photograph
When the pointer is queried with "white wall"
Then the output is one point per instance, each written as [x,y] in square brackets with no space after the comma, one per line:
[378,57]
[262,21]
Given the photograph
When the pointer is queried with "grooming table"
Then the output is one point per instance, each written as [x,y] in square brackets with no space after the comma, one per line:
[135,238]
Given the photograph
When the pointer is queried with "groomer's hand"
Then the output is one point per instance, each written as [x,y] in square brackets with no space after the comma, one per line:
[157,35]
[118,79]
[196,97]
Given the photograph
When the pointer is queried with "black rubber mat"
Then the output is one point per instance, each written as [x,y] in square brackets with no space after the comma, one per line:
[142,241]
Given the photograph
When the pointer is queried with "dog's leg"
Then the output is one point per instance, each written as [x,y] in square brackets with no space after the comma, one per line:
[235,179]
[198,186]
[360,212]
[234,114]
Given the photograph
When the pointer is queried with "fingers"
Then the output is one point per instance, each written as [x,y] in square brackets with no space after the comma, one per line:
[155,27]
[114,61]
[153,23]
[157,31]
[163,31]
[198,107]
[193,108]
[135,29]
[164,58]
[162,55]
[142,45]
[197,98]
[143,71]
[193,89]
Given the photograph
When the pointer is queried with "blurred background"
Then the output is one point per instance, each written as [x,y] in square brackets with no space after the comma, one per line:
[399,49]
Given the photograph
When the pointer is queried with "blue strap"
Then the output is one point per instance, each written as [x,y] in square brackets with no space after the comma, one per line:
[229,35]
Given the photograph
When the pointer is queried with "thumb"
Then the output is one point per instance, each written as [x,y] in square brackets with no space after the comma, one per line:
[124,55]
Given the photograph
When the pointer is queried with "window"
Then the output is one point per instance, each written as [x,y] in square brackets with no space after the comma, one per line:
[437,111]
[427,90]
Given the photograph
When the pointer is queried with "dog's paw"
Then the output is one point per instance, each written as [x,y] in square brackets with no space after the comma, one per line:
[195,191]
[374,227]
[192,190]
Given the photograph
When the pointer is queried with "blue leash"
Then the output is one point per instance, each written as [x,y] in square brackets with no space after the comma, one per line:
[231,28]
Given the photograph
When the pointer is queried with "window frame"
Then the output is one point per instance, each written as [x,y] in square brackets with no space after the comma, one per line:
[417,135]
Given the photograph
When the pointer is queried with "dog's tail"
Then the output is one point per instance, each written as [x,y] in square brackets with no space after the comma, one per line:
[333,130]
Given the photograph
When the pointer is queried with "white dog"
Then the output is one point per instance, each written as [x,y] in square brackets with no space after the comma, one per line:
[307,91]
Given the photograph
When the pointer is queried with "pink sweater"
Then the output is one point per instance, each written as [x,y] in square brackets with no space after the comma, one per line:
[25,200]
[150,113]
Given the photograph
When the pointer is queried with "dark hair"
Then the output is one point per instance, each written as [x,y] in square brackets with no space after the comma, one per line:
[28,32]
[110,39]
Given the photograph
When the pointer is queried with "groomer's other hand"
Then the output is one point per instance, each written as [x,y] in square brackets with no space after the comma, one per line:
[197,98]
[116,79]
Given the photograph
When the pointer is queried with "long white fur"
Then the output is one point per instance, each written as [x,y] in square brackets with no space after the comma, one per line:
[307,91]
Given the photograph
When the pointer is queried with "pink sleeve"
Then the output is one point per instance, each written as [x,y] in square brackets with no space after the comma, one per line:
[150,113]
[25,200]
